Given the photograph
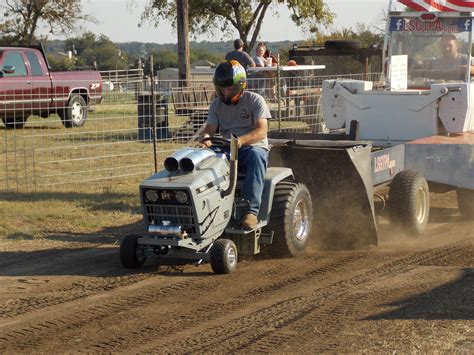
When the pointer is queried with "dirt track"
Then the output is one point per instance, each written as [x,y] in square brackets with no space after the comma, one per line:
[405,295]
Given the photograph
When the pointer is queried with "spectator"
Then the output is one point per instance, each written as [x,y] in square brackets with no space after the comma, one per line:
[239,55]
[259,59]
[268,54]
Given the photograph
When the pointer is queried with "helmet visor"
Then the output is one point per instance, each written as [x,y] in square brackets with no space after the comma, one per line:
[228,94]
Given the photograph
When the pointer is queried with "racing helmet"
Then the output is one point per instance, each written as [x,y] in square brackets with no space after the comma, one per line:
[230,81]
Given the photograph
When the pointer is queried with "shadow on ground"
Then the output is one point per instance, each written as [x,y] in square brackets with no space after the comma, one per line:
[444,215]
[452,301]
[99,201]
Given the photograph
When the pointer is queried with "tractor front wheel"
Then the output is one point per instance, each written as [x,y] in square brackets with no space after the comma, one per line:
[131,254]
[223,256]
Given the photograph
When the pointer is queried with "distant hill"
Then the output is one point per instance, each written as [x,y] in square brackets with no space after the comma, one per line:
[143,49]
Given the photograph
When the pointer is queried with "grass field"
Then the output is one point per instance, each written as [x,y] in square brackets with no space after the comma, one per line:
[71,215]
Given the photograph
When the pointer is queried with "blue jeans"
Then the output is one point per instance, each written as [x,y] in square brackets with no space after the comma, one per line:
[253,162]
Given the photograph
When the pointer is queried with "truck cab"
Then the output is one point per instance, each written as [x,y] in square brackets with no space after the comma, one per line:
[29,87]
[28,77]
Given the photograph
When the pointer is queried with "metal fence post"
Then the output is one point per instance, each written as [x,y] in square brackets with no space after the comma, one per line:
[278,92]
[153,112]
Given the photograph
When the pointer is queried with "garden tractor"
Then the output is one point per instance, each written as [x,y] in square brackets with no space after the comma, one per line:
[193,209]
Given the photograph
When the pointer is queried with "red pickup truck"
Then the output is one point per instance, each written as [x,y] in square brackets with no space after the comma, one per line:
[28,87]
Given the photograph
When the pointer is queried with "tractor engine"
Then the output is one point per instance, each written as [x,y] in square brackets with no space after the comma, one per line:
[192,198]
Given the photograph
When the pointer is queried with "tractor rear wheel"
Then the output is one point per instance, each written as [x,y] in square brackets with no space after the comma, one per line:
[466,203]
[291,219]
[131,254]
[223,256]
[409,201]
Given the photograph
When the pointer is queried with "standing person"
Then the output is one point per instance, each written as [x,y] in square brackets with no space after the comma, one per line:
[244,114]
[239,55]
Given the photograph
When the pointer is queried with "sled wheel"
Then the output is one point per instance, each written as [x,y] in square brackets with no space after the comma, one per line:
[75,114]
[290,220]
[409,201]
[14,122]
[466,203]
[131,254]
[223,256]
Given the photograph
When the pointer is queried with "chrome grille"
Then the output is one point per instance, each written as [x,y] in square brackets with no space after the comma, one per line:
[176,215]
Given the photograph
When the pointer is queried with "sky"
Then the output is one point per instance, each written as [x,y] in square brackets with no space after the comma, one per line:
[118,20]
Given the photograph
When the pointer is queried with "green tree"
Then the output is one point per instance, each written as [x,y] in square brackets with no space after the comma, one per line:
[23,18]
[362,33]
[100,51]
[246,16]
[164,58]
[203,53]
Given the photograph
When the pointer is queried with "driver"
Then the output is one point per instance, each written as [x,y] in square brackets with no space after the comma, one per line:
[451,59]
[244,114]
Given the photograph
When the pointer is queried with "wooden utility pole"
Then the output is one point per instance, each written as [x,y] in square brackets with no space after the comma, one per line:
[184,65]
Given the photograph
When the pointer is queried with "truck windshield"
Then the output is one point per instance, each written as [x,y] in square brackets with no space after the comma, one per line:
[438,50]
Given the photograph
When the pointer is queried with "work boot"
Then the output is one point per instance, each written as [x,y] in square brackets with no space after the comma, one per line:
[250,221]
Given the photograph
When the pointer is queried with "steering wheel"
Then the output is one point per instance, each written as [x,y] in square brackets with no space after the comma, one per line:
[218,141]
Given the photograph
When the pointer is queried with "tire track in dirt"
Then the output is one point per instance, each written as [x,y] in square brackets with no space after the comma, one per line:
[83,289]
[215,310]
[321,324]
[242,332]
[17,258]
[74,291]
[210,308]
[197,286]
[336,317]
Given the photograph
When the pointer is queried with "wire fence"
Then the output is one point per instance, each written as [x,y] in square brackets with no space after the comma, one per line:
[45,148]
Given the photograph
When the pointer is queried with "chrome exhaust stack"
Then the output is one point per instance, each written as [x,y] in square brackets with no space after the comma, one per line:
[194,159]
[167,231]
[171,163]
[234,152]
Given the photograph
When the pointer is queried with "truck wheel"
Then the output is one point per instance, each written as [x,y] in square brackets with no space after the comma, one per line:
[223,256]
[290,220]
[75,114]
[131,254]
[466,203]
[409,201]
[14,122]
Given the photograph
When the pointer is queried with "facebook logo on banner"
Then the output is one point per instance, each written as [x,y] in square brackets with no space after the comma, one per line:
[397,24]
[465,24]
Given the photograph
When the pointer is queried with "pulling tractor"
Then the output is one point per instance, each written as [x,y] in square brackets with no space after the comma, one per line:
[193,209]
